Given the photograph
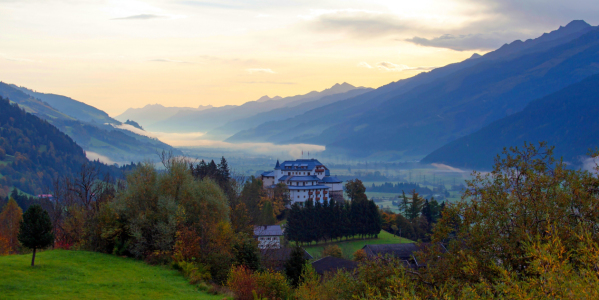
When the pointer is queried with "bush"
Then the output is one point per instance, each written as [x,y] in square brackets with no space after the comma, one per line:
[360,255]
[247,284]
[242,283]
[272,285]
[194,272]
[332,250]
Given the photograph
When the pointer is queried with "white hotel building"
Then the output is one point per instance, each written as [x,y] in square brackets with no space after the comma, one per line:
[306,179]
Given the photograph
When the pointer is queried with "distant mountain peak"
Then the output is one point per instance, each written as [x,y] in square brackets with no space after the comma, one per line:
[475,56]
[573,28]
[578,24]
[266,98]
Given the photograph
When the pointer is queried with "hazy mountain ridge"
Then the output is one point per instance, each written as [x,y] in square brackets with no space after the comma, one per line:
[432,115]
[71,107]
[116,144]
[206,120]
[281,113]
[153,113]
[318,126]
[566,119]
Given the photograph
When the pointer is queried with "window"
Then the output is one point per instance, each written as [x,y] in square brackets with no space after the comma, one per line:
[298,196]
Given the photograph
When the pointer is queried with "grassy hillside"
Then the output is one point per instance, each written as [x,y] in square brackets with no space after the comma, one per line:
[61,274]
[352,246]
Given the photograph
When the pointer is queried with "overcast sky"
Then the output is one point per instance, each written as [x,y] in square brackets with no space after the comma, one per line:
[124,53]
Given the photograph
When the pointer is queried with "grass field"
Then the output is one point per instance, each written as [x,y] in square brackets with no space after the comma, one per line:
[61,274]
[352,246]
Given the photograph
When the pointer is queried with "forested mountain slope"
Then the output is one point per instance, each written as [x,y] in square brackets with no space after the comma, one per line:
[434,114]
[71,107]
[396,117]
[567,119]
[32,151]
[116,144]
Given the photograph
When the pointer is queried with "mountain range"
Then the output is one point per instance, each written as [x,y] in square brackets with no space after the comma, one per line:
[567,119]
[90,128]
[415,116]
[153,113]
[211,118]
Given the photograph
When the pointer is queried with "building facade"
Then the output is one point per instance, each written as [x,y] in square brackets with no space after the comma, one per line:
[305,179]
[269,237]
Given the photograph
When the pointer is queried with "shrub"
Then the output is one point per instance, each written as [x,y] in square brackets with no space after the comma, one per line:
[360,256]
[332,250]
[242,283]
[272,285]
[195,272]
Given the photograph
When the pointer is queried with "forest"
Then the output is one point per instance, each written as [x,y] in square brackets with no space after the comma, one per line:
[33,152]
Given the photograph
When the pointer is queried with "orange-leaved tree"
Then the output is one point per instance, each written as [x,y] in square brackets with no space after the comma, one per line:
[10,217]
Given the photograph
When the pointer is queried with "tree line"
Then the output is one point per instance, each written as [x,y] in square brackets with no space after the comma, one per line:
[312,221]
[389,187]
[416,218]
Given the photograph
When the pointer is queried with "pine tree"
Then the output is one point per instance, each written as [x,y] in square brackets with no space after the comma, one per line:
[36,229]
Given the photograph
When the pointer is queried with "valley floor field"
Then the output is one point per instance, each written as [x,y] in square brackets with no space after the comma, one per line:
[61,274]
[351,246]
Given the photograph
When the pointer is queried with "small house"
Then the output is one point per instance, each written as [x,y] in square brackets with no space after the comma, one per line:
[269,237]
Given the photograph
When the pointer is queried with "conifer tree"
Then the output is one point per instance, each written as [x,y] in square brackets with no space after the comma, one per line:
[415,206]
[36,229]
[404,205]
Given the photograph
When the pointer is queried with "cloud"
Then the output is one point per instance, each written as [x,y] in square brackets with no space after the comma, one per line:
[260,71]
[364,64]
[462,42]
[141,17]
[360,23]
[391,67]
[171,61]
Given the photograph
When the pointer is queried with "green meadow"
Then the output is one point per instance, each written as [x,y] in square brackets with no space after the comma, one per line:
[351,246]
[61,274]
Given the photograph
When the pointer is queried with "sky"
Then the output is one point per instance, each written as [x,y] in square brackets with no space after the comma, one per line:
[128,53]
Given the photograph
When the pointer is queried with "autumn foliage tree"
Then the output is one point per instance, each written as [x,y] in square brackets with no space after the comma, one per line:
[528,199]
[10,217]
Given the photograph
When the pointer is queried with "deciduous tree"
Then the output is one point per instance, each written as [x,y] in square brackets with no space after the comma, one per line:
[10,217]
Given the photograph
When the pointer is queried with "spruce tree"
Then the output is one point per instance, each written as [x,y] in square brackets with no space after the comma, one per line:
[415,206]
[35,230]
[427,212]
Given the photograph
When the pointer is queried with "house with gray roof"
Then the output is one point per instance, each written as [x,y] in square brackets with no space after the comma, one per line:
[305,179]
[269,237]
